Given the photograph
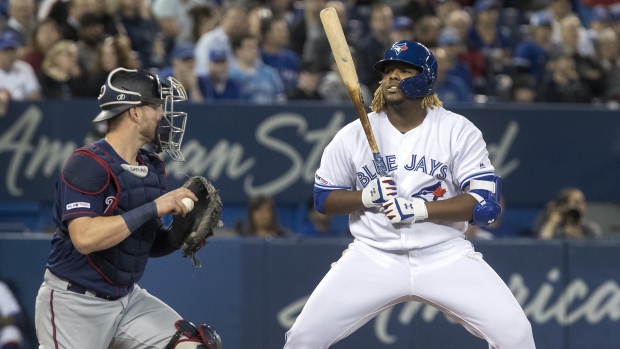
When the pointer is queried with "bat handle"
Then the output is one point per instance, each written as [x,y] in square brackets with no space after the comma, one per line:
[379,164]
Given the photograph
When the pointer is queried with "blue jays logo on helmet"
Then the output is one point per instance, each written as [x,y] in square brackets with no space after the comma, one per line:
[431,192]
[421,58]
[398,47]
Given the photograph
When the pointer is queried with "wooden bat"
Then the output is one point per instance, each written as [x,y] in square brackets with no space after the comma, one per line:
[342,55]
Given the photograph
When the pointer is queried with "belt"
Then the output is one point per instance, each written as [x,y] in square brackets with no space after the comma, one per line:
[73,287]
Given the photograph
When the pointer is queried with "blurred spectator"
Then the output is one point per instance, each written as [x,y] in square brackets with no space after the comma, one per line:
[608,49]
[204,19]
[17,79]
[174,18]
[111,54]
[141,30]
[234,23]
[217,84]
[562,9]
[562,84]
[523,90]
[182,69]
[308,83]
[589,70]
[486,38]
[333,89]
[373,46]
[599,20]
[274,52]
[21,19]
[565,217]
[259,82]
[90,34]
[256,15]
[111,24]
[444,8]
[69,21]
[450,88]
[11,319]
[319,225]
[426,30]
[262,219]
[416,9]
[45,34]
[471,57]
[61,77]
[451,42]
[531,55]
[308,37]
[402,29]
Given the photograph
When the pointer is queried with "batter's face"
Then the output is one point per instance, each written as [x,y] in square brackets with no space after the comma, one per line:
[394,73]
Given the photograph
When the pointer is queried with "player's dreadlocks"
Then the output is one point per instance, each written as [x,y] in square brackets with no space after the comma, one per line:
[378,103]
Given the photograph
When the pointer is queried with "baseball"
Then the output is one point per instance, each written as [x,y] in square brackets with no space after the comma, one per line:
[189,203]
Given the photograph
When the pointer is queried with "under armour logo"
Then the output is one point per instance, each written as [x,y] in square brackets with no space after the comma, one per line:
[398,48]
[120,97]
[409,206]
[482,165]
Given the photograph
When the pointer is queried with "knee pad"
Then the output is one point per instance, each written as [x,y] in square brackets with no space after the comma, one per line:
[487,191]
[201,337]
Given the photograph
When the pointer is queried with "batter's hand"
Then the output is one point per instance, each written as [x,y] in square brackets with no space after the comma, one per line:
[378,191]
[399,210]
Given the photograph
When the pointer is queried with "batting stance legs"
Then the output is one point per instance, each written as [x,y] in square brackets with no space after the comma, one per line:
[449,276]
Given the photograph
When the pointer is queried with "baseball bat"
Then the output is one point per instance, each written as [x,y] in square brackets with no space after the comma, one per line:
[342,55]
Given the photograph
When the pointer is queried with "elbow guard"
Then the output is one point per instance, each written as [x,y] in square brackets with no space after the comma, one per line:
[487,191]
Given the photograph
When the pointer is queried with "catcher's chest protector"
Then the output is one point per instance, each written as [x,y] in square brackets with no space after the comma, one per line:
[124,264]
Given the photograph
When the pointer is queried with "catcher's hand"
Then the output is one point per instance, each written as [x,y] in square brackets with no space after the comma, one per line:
[191,231]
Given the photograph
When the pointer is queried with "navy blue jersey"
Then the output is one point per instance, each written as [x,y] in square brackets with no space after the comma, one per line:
[65,261]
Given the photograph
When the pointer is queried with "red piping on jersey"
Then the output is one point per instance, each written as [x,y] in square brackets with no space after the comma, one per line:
[101,162]
[118,293]
[53,323]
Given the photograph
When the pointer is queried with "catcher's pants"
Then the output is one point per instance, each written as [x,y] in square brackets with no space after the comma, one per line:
[450,276]
[66,319]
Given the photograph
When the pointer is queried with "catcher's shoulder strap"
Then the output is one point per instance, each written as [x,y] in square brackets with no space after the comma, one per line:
[85,172]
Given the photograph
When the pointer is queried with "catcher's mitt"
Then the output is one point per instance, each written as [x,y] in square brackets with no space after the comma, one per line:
[188,232]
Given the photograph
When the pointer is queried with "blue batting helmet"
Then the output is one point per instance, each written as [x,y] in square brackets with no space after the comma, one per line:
[421,58]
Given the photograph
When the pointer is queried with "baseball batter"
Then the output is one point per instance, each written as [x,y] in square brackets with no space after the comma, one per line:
[109,199]
[408,226]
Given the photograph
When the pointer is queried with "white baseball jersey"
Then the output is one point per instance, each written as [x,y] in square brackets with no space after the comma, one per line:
[434,161]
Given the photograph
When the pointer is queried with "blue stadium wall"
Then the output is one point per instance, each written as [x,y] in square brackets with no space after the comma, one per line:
[251,290]
[248,149]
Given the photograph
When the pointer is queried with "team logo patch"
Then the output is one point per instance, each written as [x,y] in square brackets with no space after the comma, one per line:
[78,205]
[430,193]
[109,201]
[398,48]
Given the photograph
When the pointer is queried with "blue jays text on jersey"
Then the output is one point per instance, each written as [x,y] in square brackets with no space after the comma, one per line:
[434,169]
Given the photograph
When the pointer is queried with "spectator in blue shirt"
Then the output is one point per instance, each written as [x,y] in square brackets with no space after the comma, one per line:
[182,69]
[450,41]
[259,82]
[450,88]
[217,84]
[531,55]
[274,52]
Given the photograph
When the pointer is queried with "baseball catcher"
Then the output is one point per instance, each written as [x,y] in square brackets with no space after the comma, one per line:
[190,232]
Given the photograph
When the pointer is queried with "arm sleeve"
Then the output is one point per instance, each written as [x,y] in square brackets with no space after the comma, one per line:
[472,158]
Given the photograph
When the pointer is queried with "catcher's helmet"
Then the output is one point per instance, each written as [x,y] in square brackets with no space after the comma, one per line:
[125,88]
[419,56]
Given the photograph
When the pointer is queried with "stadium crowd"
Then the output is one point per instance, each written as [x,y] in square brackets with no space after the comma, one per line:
[270,51]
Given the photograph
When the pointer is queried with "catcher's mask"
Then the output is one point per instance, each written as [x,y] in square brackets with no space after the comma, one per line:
[128,88]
